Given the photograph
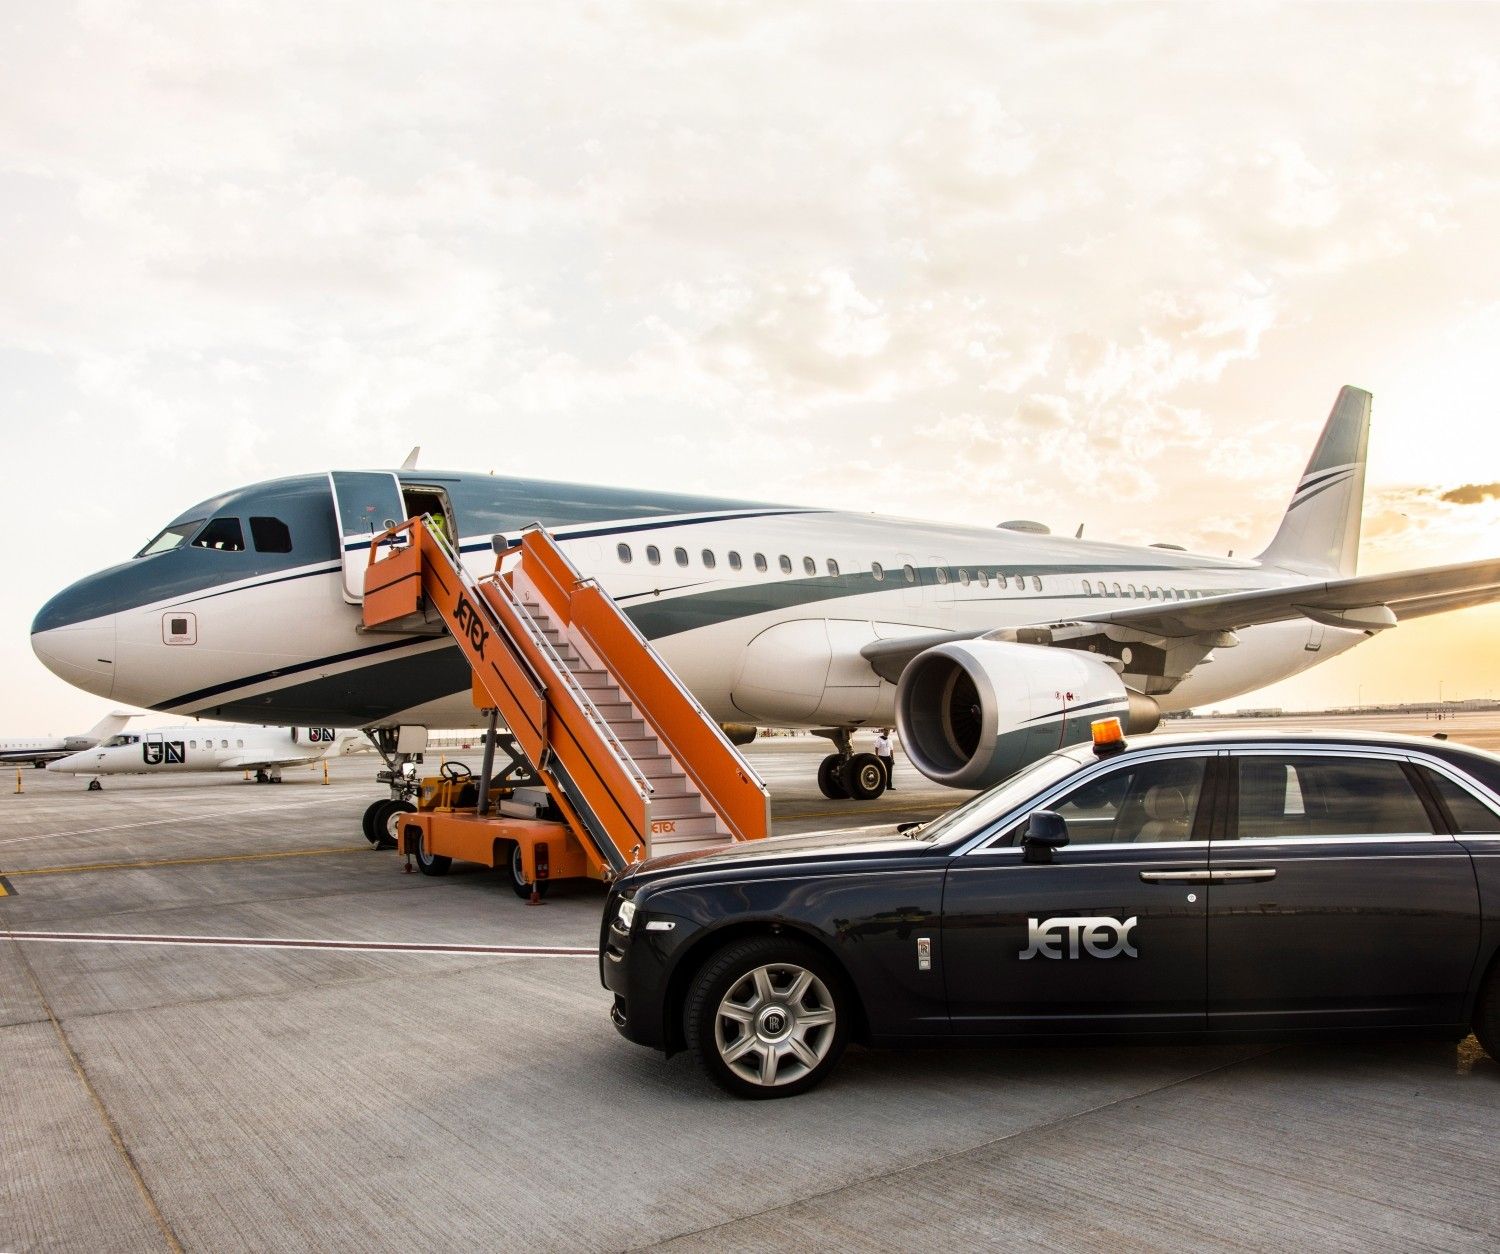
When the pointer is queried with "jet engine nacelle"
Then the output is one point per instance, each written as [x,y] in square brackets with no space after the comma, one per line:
[972,712]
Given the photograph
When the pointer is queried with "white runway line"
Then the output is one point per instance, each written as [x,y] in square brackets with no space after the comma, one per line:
[269,942]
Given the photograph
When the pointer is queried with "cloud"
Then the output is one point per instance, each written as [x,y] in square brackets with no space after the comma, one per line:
[1101,264]
[1472,493]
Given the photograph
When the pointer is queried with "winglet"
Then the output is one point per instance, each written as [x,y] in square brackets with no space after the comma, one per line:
[411,458]
[1319,534]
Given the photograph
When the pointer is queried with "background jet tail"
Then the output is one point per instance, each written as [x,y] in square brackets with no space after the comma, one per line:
[1320,533]
[109,725]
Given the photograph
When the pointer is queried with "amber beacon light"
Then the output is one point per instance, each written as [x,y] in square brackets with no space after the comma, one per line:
[1109,736]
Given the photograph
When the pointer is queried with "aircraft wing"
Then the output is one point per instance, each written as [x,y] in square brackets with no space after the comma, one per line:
[1365,601]
[262,764]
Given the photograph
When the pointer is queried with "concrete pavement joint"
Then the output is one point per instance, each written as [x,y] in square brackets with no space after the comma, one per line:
[955,1155]
[105,1117]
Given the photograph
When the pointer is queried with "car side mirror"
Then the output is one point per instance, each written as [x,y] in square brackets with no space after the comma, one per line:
[1046,830]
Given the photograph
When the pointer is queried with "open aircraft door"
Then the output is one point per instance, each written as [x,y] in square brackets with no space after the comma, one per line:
[365,503]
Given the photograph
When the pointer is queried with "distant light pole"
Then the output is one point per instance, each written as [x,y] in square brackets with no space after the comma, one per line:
[1359,700]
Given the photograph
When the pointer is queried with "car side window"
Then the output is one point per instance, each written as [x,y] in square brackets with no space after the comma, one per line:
[1286,797]
[1469,815]
[1141,803]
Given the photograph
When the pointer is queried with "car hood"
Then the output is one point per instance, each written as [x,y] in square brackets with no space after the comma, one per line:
[860,842]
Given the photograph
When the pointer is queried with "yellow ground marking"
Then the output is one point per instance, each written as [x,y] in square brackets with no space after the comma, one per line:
[223,857]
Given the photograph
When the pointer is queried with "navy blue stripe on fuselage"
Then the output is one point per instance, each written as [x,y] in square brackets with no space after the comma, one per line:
[298,668]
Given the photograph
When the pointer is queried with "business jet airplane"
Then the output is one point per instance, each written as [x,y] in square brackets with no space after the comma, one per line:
[205,747]
[988,647]
[39,751]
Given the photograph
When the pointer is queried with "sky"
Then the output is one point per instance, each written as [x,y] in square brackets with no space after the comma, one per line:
[1087,264]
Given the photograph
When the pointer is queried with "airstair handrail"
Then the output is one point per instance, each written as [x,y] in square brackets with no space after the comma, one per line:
[592,611]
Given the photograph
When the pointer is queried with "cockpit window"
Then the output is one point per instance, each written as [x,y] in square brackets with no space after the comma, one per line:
[173,537]
[224,534]
[270,535]
[115,741]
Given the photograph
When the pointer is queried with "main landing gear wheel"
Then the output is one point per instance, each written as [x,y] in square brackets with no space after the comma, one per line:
[432,863]
[522,888]
[95,786]
[767,1017]
[865,776]
[831,777]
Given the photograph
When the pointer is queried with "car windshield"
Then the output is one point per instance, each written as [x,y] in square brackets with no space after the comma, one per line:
[172,537]
[980,811]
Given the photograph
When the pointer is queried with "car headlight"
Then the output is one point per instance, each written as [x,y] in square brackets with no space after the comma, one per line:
[626,916]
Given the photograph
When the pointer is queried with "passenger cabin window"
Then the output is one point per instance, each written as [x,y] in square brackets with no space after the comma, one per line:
[625,555]
[1036,583]
[942,574]
[1309,797]
[1145,803]
[223,534]
[785,563]
[1088,588]
[1001,580]
[192,744]
[809,567]
[680,556]
[833,568]
[1466,812]
[760,563]
[963,576]
[709,560]
[909,574]
[1117,591]
[878,571]
[270,535]
[734,560]
[984,580]
[653,555]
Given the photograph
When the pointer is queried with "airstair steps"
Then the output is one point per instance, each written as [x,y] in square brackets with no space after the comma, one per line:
[638,760]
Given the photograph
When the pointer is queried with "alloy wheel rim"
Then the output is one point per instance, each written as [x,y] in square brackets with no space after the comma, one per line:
[775,1024]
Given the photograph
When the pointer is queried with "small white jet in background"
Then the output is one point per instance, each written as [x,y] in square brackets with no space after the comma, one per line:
[38,751]
[202,747]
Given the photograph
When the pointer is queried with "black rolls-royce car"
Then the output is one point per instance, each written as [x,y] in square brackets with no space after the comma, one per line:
[1233,884]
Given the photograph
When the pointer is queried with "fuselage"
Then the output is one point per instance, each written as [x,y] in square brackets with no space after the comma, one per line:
[245,611]
[206,747]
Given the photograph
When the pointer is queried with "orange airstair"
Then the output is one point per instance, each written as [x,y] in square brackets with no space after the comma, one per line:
[632,764]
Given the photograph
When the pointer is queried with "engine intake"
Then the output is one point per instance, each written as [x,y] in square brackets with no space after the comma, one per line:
[972,712]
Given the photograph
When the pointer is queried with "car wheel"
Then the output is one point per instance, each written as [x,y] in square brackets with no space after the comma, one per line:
[830,778]
[865,776]
[767,1017]
[1487,1013]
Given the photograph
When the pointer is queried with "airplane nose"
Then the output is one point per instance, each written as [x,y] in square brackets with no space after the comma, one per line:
[83,653]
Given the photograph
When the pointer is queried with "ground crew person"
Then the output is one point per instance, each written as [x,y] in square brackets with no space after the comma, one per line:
[886,752]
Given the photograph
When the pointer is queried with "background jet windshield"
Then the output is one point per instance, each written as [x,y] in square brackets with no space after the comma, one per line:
[171,537]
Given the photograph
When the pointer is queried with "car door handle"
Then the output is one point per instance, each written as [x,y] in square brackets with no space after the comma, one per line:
[1249,875]
[1177,877]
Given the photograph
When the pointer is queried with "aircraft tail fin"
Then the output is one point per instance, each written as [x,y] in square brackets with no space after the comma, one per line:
[1320,532]
[109,725]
